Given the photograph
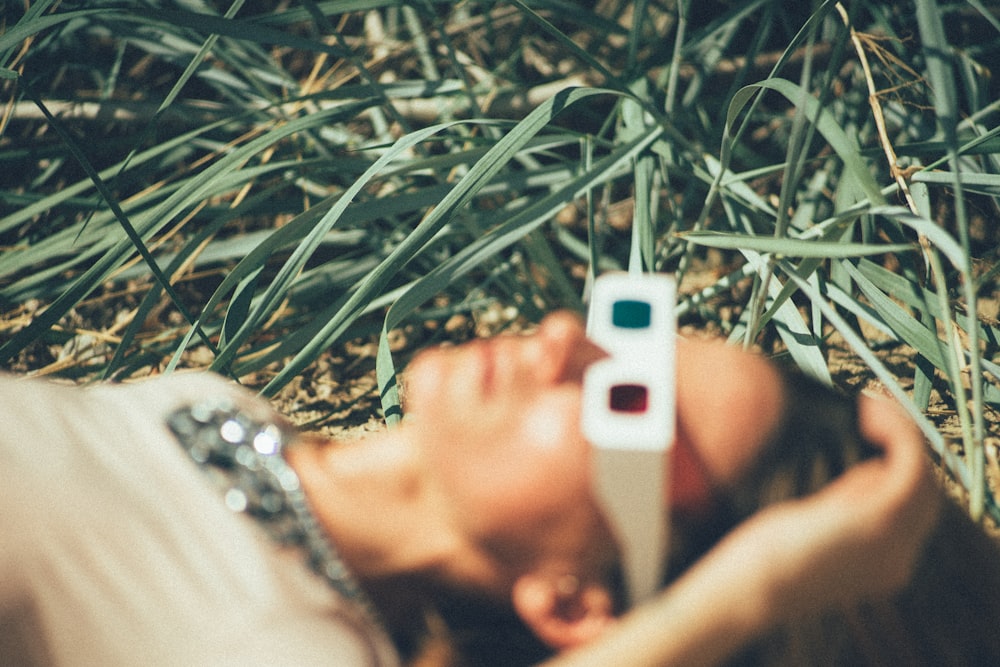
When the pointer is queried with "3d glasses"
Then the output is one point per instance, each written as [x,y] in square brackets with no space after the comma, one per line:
[628,416]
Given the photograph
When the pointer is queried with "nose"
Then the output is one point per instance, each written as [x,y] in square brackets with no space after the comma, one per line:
[566,351]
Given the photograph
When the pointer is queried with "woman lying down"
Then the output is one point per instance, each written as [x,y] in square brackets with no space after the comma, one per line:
[179,521]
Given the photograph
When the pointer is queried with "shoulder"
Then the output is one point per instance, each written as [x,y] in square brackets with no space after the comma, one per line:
[46,418]
[62,437]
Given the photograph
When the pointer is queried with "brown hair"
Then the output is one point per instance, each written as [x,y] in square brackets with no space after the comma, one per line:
[948,613]
[444,625]
[463,628]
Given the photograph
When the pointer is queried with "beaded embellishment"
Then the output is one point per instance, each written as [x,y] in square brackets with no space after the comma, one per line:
[243,457]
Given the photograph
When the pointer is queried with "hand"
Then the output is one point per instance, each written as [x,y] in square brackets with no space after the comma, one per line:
[857,539]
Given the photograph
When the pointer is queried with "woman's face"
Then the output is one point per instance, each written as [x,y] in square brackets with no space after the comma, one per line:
[497,422]
[498,425]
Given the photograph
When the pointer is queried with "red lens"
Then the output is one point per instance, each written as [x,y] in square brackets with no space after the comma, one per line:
[629,398]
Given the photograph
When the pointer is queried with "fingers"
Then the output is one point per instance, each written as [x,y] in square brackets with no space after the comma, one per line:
[909,502]
[861,537]
[884,424]
[906,491]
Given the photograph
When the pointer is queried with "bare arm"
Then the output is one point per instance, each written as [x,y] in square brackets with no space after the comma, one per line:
[859,538]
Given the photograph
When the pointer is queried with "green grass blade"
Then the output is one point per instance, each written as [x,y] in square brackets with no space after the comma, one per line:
[790,247]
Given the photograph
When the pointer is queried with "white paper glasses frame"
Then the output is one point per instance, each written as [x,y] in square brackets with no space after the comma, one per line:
[628,400]
[628,416]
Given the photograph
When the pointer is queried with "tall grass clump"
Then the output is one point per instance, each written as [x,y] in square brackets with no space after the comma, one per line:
[243,185]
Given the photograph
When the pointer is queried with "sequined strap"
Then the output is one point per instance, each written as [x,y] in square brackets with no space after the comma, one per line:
[242,455]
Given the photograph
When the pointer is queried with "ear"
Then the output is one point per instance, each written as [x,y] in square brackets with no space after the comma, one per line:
[562,611]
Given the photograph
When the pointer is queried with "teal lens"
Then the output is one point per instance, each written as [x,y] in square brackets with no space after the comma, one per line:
[631,314]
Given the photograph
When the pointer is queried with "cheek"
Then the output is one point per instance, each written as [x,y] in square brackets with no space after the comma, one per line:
[555,459]
[534,465]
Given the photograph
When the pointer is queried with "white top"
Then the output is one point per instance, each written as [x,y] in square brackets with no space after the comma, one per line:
[116,550]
